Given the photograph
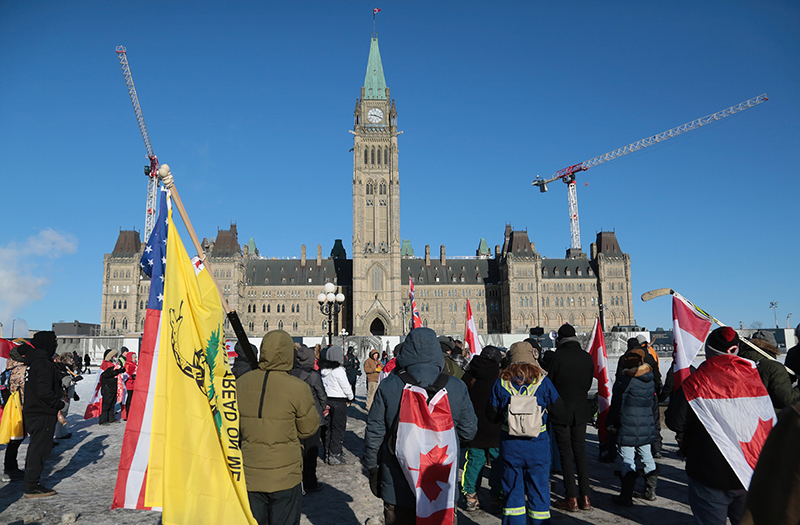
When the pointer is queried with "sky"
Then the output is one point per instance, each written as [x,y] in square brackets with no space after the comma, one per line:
[250,104]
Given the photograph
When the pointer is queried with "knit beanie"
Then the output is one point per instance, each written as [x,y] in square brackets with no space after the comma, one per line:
[522,352]
[633,342]
[492,353]
[335,353]
[46,341]
[723,340]
[764,336]
[566,330]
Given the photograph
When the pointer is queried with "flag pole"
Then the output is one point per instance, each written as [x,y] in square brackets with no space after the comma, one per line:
[165,175]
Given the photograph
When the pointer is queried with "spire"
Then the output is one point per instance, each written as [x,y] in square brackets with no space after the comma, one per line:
[374,81]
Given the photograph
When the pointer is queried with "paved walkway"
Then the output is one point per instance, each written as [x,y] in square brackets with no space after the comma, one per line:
[83,470]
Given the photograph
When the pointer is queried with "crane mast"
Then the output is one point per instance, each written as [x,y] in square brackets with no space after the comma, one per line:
[568,174]
[152,170]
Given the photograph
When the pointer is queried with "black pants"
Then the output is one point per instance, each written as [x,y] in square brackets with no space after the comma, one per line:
[310,454]
[10,463]
[128,404]
[41,429]
[658,443]
[107,413]
[399,515]
[336,427]
[277,508]
[571,441]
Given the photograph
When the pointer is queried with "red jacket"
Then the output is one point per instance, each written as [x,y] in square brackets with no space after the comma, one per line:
[130,369]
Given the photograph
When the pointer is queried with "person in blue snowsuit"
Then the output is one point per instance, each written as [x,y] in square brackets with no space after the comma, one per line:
[526,460]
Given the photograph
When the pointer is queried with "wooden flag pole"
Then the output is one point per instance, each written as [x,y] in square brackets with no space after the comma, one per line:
[165,175]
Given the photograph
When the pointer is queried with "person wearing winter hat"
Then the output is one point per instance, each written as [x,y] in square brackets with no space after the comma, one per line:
[304,369]
[651,359]
[571,370]
[41,409]
[339,392]
[109,385]
[372,367]
[793,356]
[773,374]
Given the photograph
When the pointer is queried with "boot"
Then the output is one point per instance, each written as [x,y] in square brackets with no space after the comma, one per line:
[625,497]
[650,482]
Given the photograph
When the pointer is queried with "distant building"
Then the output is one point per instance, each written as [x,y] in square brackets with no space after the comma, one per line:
[510,291]
[76,328]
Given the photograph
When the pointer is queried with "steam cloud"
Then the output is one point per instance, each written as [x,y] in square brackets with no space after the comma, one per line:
[21,279]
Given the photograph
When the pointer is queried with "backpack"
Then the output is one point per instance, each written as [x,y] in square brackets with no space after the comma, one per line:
[524,413]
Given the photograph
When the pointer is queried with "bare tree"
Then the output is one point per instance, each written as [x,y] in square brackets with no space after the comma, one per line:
[757,325]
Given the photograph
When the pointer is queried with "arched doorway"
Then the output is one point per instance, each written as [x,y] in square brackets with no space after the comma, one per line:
[377,328]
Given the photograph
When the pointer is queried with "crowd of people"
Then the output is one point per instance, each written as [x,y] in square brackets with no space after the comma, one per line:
[515,415]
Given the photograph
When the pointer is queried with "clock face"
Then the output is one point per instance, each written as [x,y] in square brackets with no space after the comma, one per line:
[375,115]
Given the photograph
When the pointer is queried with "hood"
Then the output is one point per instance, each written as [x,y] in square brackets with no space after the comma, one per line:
[110,354]
[640,372]
[304,357]
[18,353]
[422,355]
[482,367]
[277,351]
[46,341]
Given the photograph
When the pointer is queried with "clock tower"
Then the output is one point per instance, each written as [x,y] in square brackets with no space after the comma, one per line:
[377,300]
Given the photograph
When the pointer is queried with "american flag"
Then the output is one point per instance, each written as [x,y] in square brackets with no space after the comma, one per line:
[129,491]
[416,319]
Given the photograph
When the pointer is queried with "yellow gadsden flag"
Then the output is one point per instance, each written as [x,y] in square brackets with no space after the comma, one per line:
[195,473]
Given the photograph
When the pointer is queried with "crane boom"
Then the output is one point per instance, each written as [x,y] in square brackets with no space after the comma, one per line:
[152,170]
[568,174]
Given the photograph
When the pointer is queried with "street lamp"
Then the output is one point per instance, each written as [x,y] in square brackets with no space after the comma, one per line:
[13,322]
[787,322]
[774,306]
[330,304]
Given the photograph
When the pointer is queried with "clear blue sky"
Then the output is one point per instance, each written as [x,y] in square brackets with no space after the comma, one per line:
[250,103]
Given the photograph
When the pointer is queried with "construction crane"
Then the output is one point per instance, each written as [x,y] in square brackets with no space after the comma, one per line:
[152,170]
[568,174]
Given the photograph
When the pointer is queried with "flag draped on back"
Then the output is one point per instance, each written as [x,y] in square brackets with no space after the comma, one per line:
[690,329]
[471,333]
[427,450]
[597,349]
[195,472]
[416,319]
[730,400]
[130,488]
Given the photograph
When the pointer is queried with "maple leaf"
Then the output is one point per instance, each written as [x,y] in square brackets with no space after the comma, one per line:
[433,470]
[752,448]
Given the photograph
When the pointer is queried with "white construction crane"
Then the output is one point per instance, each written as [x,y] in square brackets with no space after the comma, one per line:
[152,170]
[568,173]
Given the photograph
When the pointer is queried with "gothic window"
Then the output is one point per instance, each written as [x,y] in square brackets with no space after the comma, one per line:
[567,272]
[369,188]
[294,326]
[125,324]
[292,308]
[128,274]
[480,324]
[382,203]
[141,327]
[379,156]
[283,308]
[373,156]
[280,325]
[268,308]
[366,156]
[376,279]
[452,324]
[141,305]
[544,272]
[251,326]
[266,326]
[263,308]
[555,271]
[369,203]
[125,305]
[590,271]
[113,324]
[382,188]
[115,305]
[386,156]
[579,271]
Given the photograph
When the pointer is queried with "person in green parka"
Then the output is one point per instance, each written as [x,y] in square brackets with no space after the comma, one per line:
[276,411]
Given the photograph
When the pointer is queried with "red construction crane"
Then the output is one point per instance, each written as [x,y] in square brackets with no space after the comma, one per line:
[568,173]
[152,170]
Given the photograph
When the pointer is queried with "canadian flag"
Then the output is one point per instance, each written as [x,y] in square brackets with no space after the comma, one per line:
[597,349]
[730,400]
[690,329]
[427,450]
[95,405]
[471,333]
[417,320]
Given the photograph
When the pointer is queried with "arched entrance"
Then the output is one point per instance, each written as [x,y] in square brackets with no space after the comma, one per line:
[377,328]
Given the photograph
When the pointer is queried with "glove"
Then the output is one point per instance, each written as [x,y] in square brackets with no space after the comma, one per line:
[76,397]
[375,482]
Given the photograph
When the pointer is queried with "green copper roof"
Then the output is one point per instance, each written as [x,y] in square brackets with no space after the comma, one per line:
[374,81]
[483,248]
[251,245]
[406,250]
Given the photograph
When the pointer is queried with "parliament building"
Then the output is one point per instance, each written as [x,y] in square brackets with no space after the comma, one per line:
[510,289]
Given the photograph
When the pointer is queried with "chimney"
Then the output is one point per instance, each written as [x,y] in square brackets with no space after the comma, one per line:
[319,255]
[427,255]
[533,247]
[593,251]
[302,255]
[497,251]
[442,257]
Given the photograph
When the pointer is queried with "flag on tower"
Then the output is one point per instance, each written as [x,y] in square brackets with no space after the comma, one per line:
[135,455]
[415,318]
[690,329]
[375,12]
[597,349]
[730,400]
[471,334]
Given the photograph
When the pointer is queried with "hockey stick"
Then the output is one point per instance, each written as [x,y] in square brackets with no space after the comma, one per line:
[652,294]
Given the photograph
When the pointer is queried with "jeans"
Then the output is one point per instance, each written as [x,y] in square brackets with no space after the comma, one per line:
[714,506]
[628,456]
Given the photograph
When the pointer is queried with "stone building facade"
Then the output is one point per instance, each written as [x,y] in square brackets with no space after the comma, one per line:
[510,291]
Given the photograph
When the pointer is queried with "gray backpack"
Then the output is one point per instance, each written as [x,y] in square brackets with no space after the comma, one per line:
[524,412]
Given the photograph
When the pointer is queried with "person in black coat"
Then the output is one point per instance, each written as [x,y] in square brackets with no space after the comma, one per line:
[571,370]
[631,417]
[484,369]
[42,405]
[241,365]
[304,369]
[108,385]
[352,367]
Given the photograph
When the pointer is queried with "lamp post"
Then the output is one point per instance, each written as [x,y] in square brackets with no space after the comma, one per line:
[787,322]
[343,334]
[330,304]
[13,322]
[774,306]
